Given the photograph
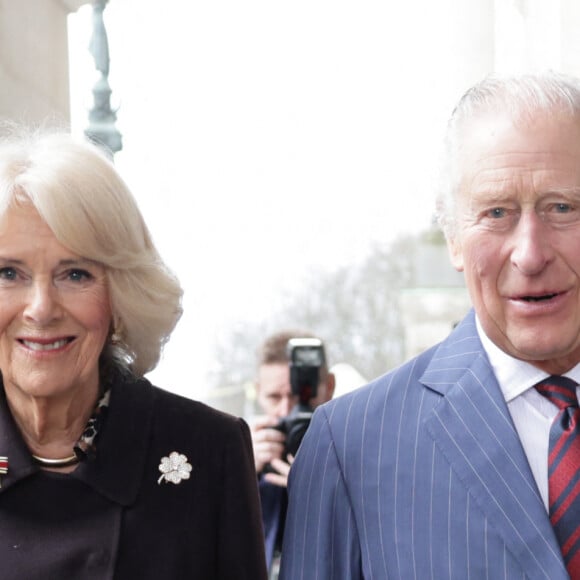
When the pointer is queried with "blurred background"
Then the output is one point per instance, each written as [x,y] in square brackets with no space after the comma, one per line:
[284,156]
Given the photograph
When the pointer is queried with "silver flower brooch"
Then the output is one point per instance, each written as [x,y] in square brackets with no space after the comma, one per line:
[174,468]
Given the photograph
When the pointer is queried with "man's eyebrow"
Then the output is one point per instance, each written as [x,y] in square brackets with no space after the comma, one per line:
[575,191]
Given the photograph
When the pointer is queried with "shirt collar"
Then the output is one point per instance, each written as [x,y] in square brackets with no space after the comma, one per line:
[514,376]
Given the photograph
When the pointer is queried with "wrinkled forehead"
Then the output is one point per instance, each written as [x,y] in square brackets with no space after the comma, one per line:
[547,143]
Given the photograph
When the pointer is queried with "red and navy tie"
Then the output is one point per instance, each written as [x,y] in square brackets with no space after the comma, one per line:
[564,468]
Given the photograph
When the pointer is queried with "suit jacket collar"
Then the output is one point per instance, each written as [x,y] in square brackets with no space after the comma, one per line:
[472,427]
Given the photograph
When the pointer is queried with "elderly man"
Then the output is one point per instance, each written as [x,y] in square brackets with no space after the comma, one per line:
[463,462]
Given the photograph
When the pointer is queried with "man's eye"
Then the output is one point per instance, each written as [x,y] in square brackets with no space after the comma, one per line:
[563,208]
[7,273]
[497,212]
[561,213]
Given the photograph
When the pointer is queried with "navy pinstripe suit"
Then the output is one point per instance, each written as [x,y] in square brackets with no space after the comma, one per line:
[419,475]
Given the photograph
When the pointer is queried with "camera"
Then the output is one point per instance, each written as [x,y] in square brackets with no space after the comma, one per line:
[306,358]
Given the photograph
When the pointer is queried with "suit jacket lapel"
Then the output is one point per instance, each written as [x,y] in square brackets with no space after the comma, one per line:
[473,428]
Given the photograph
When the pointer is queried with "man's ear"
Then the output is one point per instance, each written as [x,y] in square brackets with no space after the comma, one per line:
[455,249]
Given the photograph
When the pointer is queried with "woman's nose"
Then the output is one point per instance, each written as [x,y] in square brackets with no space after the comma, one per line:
[42,305]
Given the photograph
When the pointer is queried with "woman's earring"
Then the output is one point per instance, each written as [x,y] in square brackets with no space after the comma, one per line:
[116,337]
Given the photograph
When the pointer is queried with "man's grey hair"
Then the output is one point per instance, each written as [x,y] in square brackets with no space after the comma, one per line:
[521,97]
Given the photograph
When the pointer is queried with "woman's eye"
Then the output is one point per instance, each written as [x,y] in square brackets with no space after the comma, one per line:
[77,275]
[8,273]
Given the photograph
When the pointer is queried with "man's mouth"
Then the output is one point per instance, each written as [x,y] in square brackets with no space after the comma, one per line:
[539,298]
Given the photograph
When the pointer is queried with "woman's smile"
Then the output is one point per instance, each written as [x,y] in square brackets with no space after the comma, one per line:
[45,345]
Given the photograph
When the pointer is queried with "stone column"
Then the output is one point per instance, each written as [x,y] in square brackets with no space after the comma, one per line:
[34,73]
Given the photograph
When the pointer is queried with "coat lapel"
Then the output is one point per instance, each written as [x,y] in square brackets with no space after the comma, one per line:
[117,471]
[472,427]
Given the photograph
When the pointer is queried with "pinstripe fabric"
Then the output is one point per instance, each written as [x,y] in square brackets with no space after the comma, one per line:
[419,475]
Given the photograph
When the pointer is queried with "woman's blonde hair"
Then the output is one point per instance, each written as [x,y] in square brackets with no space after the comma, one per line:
[76,189]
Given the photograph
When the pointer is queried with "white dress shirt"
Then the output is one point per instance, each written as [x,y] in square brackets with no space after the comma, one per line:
[532,413]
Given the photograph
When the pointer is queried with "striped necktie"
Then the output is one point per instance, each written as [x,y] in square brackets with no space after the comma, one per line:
[564,468]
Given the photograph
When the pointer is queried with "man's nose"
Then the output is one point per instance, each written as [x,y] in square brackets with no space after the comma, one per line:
[532,248]
[285,406]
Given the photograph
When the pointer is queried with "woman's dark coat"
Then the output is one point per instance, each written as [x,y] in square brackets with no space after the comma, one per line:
[114,518]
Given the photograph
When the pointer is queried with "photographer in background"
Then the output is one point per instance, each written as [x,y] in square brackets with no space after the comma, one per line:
[279,404]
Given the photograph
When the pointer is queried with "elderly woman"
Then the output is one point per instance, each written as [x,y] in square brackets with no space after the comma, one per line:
[102,474]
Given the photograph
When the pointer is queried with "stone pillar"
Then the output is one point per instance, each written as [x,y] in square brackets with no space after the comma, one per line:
[34,73]
[570,25]
[472,45]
